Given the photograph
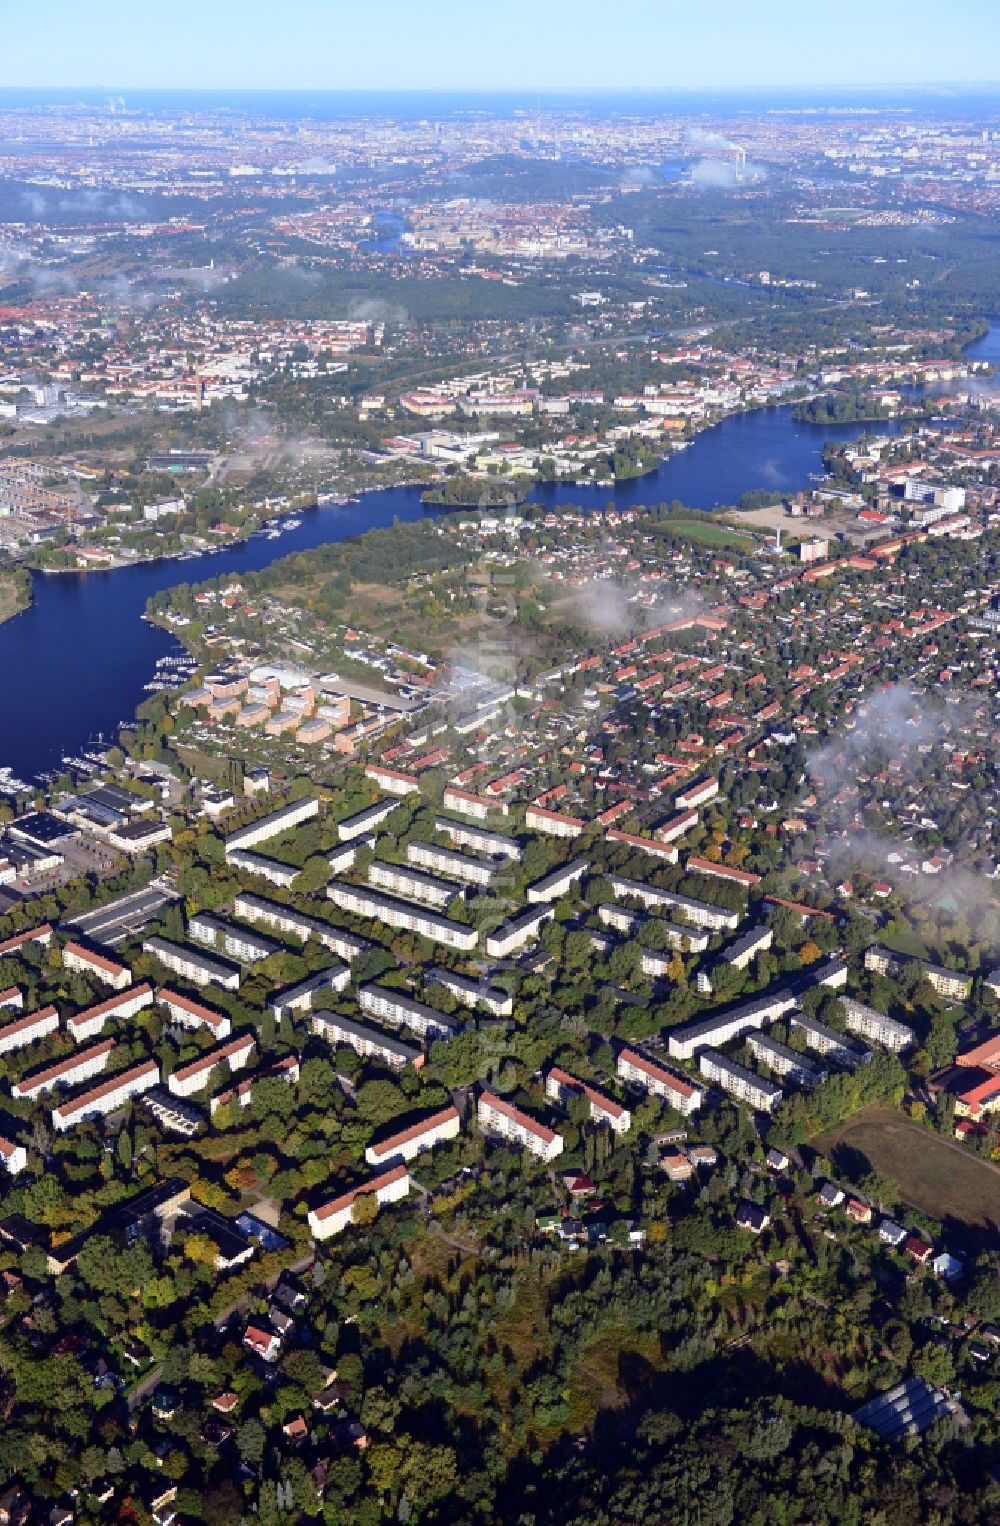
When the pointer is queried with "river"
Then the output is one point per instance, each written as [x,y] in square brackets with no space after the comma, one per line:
[75,663]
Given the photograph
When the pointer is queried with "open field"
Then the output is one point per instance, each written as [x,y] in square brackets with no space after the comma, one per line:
[12,597]
[934,1175]
[704,533]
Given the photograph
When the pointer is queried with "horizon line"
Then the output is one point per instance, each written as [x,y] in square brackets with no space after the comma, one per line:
[591,89]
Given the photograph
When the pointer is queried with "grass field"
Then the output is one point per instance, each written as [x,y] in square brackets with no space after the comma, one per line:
[12,601]
[706,534]
[933,1175]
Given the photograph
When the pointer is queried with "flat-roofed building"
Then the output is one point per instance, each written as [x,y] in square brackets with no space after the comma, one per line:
[451,864]
[474,993]
[173,1113]
[192,964]
[332,1218]
[394,912]
[639,1070]
[511,936]
[363,822]
[99,966]
[564,1088]
[274,824]
[480,839]
[88,1023]
[264,868]
[424,1134]
[718,1028]
[240,943]
[698,913]
[745,1085]
[785,1062]
[22,1031]
[402,1011]
[869,1024]
[369,1043]
[829,1041]
[139,836]
[740,952]
[300,996]
[415,884]
[501,1118]
[187,1013]
[553,886]
[234,1052]
[100,1100]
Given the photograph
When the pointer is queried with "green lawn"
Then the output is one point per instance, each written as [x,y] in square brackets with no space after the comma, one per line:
[706,533]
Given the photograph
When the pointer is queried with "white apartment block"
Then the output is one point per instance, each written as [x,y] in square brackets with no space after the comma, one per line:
[637,1070]
[552,823]
[25,1030]
[756,941]
[300,997]
[193,965]
[392,780]
[108,1096]
[450,864]
[699,913]
[677,826]
[88,1023]
[828,1041]
[424,1135]
[474,993]
[240,943]
[192,1014]
[13,1157]
[551,887]
[285,919]
[698,792]
[236,1053]
[41,934]
[494,844]
[869,1024]
[369,1043]
[332,1218]
[362,902]
[785,1062]
[12,997]
[417,884]
[264,868]
[522,929]
[363,822]
[508,1122]
[719,1028]
[286,1070]
[274,824]
[71,1071]
[561,1087]
[402,1011]
[739,1082]
[98,966]
[479,807]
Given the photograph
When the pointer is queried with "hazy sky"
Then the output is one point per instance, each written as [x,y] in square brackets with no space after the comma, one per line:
[469,44]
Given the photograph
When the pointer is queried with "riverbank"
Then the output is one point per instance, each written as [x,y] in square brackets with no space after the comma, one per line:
[15,592]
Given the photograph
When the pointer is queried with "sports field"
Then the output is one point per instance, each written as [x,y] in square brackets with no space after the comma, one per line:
[937,1176]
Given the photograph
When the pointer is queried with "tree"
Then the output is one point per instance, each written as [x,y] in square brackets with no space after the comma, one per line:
[250,1440]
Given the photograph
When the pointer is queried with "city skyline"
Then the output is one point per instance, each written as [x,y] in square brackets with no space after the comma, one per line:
[443,46]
